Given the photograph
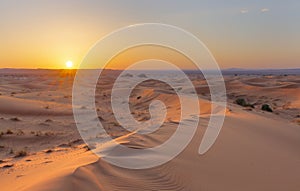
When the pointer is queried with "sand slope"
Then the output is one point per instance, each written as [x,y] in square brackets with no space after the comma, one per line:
[252,153]
[256,150]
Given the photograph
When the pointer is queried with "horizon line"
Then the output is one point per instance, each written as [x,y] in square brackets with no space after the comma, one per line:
[232,69]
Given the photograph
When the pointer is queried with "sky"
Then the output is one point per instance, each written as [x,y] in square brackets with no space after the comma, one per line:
[239,34]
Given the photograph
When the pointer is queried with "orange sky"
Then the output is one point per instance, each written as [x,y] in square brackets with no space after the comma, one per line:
[136,54]
[46,34]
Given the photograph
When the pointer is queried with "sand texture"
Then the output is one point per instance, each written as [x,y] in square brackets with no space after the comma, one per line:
[41,149]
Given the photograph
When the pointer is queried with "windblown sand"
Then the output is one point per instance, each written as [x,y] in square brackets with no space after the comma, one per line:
[41,149]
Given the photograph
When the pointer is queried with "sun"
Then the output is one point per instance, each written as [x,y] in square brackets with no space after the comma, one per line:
[69,64]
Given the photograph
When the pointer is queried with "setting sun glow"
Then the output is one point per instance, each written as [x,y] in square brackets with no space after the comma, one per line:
[69,64]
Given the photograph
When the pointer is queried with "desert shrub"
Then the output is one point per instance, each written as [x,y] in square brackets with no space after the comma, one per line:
[9,132]
[20,132]
[8,166]
[86,147]
[15,119]
[243,102]
[266,107]
[21,153]
[115,123]
[48,120]
[49,151]
[38,133]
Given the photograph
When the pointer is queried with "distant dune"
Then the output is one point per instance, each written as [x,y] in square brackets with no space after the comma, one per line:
[240,71]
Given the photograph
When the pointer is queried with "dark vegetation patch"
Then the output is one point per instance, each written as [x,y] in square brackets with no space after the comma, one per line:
[266,107]
[242,102]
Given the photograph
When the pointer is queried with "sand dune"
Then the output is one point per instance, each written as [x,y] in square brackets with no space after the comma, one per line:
[254,156]
[19,106]
[256,150]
